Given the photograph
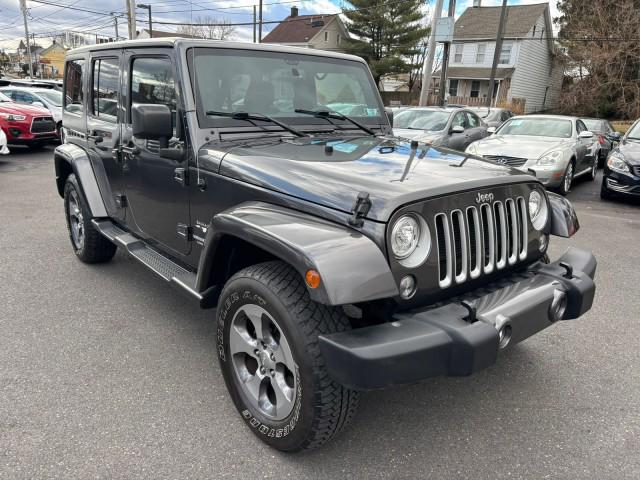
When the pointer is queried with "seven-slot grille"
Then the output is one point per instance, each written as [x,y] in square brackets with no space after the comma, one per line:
[43,125]
[480,239]
[505,160]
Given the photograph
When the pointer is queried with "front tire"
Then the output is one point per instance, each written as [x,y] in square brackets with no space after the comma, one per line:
[267,339]
[88,244]
[567,180]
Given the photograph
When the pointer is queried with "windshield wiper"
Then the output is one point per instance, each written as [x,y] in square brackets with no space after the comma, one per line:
[336,116]
[256,116]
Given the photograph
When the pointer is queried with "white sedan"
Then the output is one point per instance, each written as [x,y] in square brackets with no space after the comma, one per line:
[3,143]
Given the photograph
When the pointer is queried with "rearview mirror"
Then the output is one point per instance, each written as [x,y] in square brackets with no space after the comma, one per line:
[152,122]
[457,129]
[585,134]
[491,130]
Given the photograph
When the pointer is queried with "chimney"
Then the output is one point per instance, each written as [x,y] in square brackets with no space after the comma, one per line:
[294,12]
[477,3]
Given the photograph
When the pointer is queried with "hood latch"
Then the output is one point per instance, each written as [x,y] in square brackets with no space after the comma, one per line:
[360,209]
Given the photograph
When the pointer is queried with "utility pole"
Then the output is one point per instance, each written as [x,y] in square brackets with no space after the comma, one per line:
[23,7]
[147,7]
[254,24]
[131,19]
[260,23]
[428,60]
[496,53]
[115,19]
[445,58]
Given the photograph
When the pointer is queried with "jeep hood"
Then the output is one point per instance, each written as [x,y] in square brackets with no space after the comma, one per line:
[331,172]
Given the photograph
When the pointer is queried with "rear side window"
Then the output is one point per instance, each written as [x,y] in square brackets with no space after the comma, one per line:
[104,90]
[73,98]
[472,120]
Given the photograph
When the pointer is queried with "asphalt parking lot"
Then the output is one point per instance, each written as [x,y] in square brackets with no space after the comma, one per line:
[107,372]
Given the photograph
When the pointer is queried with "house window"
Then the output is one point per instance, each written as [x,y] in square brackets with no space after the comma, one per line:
[457,52]
[542,34]
[505,54]
[326,36]
[453,88]
[534,31]
[475,88]
[480,52]
[338,39]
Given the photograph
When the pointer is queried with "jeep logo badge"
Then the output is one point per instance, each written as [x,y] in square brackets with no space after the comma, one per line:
[484,198]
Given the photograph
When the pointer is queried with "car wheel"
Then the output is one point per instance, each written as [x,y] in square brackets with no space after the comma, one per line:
[88,244]
[267,339]
[605,194]
[567,179]
[594,169]
[601,159]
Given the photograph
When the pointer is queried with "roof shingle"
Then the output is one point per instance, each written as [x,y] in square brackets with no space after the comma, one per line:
[483,22]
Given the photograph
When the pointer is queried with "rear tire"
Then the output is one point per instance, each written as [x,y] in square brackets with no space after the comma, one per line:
[594,169]
[267,339]
[88,244]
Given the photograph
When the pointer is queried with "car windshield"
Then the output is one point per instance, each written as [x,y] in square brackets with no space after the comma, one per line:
[431,120]
[277,84]
[537,127]
[4,98]
[51,96]
[634,132]
[593,124]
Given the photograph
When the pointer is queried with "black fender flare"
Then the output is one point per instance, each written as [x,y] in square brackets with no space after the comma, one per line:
[69,156]
[351,266]
[564,219]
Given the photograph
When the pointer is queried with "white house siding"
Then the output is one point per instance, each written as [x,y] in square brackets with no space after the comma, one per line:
[469,54]
[535,71]
[334,41]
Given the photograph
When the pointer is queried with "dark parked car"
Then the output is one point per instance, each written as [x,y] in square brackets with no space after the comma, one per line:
[493,117]
[622,170]
[450,127]
[605,134]
[338,258]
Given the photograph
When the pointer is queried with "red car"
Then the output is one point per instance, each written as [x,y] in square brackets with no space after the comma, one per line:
[26,124]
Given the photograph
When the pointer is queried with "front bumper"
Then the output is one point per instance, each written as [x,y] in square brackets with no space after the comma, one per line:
[626,184]
[447,341]
[19,133]
[549,175]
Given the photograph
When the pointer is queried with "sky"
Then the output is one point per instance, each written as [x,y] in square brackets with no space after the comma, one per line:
[68,14]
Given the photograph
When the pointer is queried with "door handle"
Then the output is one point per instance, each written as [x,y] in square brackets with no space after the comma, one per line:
[95,138]
[180,175]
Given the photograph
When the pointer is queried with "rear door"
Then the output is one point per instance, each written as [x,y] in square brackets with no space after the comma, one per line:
[476,128]
[103,128]
[585,148]
[158,200]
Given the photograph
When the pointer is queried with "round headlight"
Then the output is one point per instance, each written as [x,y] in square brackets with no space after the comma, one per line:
[404,236]
[538,212]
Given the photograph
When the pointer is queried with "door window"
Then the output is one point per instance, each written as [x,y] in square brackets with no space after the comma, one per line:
[459,120]
[504,116]
[475,88]
[580,127]
[453,88]
[104,90]
[73,97]
[152,82]
[473,120]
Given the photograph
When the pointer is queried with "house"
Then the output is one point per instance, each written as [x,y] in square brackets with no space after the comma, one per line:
[52,60]
[324,32]
[162,34]
[529,67]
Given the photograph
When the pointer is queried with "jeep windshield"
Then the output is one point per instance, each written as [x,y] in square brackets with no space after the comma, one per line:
[276,84]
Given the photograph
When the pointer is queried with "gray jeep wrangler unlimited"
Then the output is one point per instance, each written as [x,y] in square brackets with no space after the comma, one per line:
[338,258]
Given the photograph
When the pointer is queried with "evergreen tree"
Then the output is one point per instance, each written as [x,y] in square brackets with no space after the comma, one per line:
[388,33]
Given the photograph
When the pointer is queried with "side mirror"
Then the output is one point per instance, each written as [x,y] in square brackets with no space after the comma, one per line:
[491,130]
[38,104]
[457,129]
[389,113]
[585,134]
[152,122]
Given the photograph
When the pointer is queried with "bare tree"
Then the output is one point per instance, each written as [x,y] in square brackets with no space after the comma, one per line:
[208,27]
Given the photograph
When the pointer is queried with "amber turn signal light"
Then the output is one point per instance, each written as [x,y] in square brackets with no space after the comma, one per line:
[312,278]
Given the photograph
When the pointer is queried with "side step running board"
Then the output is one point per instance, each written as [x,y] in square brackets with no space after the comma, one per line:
[155,261]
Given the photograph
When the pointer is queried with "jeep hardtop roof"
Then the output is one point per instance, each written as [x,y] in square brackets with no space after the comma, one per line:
[179,42]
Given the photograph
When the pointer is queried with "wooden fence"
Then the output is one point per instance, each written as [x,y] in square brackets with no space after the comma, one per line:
[411,98]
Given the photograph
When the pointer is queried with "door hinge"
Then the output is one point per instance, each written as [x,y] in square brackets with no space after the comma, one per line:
[185,231]
[121,200]
[360,209]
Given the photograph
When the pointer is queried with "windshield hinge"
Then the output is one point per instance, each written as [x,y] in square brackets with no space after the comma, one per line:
[360,209]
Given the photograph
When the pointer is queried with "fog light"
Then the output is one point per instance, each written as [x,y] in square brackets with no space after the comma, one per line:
[558,305]
[407,287]
[544,242]
[504,336]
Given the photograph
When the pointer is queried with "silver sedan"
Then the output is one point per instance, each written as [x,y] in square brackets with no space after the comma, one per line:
[557,148]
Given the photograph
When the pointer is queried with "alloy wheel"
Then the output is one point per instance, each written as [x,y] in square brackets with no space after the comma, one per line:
[263,362]
[76,220]
[568,177]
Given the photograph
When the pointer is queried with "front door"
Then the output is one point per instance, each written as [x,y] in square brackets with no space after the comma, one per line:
[158,204]
[459,141]
[103,129]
